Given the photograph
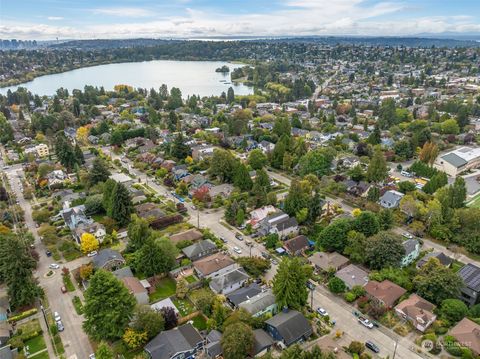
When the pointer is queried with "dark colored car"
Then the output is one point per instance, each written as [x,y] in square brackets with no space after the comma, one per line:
[372,347]
[48,253]
[239,237]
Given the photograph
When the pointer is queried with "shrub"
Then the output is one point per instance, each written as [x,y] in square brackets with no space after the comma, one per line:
[336,285]
[77,303]
[453,309]
[23,315]
[356,347]
[350,297]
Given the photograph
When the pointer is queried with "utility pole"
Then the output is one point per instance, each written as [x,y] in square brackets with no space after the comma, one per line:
[395,349]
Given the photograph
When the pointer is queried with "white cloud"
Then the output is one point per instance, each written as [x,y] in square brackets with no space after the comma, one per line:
[55,18]
[297,17]
[123,12]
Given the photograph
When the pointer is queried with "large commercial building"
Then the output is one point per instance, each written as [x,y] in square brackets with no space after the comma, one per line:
[455,162]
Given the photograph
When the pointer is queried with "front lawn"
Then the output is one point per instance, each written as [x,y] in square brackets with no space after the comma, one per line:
[165,288]
[35,344]
[200,322]
[42,355]
[191,279]
[184,306]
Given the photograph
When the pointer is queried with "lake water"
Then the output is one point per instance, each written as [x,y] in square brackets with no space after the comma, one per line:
[192,77]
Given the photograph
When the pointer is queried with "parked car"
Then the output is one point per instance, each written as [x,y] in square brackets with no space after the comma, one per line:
[266,255]
[223,239]
[407,235]
[237,250]
[63,289]
[54,266]
[406,174]
[91,356]
[322,312]
[239,236]
[47,252]
[370,345]
[310,285]
[60,326]
[365,322]
[92,254]
[57,317]
[274,261]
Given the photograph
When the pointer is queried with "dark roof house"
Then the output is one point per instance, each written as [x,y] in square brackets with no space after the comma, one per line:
[108,259]
[181,342]
[289,327]
[296,245]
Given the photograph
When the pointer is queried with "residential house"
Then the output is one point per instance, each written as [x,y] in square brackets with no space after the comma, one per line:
[467,333]
[200,249]
[7,352]
[213,266]
[95,228]
[279,223]
[168,165]
[178,343]
[266,146]
[136,288]
[417,311]
[228,282]
[412,251]
[188,235]
[108,259]
[149,211]
[385,293]
[323,261]
[391,199]
[122,178]
[56,178]
[260,304]
[470,275]
[259,214]
[288,327]
[202,152]
[213,346]
[297,245]
[262,342]
[352,276]
[442,258]
[224,190]
[74,216]
[243,294]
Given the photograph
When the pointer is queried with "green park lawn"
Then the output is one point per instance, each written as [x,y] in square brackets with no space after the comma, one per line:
[164,289]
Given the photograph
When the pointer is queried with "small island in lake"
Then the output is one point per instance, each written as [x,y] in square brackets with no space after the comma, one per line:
[223,69]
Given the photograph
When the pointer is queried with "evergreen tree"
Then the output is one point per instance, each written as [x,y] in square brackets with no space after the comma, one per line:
[289,284]
[16,265]
[121,204]
[108,307]
[156,257]
[79,155]
[230,95]
[377,169]
[458,193]
[242,178]
[179,149]
[107,195]
[99,172]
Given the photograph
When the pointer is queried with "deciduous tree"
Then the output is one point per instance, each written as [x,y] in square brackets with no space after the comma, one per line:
[88,243]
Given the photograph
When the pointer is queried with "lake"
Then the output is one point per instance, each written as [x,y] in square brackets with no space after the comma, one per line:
[192,77]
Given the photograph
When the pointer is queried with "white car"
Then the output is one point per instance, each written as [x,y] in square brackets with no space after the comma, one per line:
[92,254]
[237,250]
[54,266]
[322,312]
[57,317]
[91,356]
[407,235]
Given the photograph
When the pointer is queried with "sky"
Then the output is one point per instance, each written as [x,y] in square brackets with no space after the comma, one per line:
[108,19]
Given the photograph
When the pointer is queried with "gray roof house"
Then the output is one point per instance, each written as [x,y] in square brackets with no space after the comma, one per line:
[288,327]
[108,259]
[262,303]
[178,343]
[262,342]
[470,275]
[228,282]
[391,199]
[352,276]
[213,346]
[200,249]
[412,251]
[442,258]
[7,352]
[243,294]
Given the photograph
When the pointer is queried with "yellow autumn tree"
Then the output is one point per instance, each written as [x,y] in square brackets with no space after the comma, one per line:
[88,243]
[134,339]
[82,134]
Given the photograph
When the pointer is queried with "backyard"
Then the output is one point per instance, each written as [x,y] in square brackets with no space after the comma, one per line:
[165,288]
[184,306]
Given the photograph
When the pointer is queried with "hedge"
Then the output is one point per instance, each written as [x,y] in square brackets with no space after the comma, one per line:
[23,315]
[77,303]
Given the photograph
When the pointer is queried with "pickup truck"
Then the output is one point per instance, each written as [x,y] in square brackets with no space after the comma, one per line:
[365,322]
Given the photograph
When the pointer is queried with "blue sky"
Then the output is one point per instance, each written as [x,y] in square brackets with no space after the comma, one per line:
[48,19]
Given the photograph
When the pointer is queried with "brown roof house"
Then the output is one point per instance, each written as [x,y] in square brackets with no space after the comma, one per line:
[385,293]
[189,235]
[325,261]
[418,311]
[467,334]
[296,245]
[214,266]
[352,276]
[136,288]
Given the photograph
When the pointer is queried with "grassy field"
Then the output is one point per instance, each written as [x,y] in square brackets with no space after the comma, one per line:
[200,322]
[36,344]
[165,289]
